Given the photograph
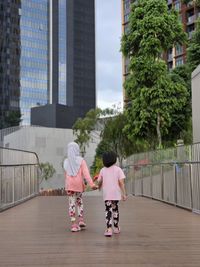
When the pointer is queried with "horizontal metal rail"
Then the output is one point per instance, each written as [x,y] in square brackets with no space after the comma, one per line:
[18,165]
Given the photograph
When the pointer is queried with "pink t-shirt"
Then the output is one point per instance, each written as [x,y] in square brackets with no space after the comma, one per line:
[75,183]
[110,182]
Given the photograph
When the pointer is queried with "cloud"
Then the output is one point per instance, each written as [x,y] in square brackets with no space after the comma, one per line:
[108,56]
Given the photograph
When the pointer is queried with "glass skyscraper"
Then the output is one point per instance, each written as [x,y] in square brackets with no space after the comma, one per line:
[10,51]
[34,56]
[62,52]
[47,60]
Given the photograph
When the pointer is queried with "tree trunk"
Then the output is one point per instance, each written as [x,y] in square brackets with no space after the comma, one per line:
[158,131]
[120,161]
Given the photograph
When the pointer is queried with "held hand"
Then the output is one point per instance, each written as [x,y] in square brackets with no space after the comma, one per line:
[124,197]
[94,187]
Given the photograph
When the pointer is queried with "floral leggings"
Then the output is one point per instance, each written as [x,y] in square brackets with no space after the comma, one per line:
[112,210]
[75,200]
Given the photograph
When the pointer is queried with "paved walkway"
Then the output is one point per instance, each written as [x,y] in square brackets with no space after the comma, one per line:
[153,234]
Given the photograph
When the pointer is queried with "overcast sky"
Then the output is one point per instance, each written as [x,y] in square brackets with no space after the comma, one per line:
[108,56]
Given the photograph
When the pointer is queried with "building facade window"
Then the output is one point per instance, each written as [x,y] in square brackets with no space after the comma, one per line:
[177,5]
[190,30]
[169,55]
[126,28]
[170,65]
[126,17]
[127,4]
[179,61]
[179,50]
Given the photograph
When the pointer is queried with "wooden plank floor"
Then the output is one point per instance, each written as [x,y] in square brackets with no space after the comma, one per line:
[36,233]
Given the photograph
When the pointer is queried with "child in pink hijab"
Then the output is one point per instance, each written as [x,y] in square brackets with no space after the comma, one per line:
[75,171]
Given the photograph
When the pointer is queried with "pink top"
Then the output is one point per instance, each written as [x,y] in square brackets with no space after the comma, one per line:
[110,178]
[75,183]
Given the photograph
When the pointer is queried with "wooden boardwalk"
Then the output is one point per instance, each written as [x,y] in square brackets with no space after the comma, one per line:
[36,233]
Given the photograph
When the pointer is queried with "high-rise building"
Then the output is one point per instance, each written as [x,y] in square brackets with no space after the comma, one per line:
[188,14]
[34,58]
[126,8]
[10,53]
[48,48]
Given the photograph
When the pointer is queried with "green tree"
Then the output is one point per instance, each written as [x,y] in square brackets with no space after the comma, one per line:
[10,119]
[193,51]
[97,163]
[46,171]
[110,123]
[181,121]
[83,127]
[116,138]
[183,73]
[153,95]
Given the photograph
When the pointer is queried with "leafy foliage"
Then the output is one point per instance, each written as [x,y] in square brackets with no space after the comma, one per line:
[114,138]
[152,29]
[193,51]
[10,119]
[97,163]
[114,135]
[155,97]
[183,74]
[84,126]
[47,171]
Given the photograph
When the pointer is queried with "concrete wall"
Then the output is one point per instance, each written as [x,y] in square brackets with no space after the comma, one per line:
[196,104]
[50,145]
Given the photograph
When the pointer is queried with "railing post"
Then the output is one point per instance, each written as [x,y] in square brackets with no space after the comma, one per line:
[191,190]
[38,178]
[22,183]
[0,187]
[175,185]
[142,190]
[133,181]
[13,186]
[151,181]
[29,190]
[162,183]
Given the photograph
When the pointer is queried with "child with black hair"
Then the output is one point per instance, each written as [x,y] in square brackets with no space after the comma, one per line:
[111,178]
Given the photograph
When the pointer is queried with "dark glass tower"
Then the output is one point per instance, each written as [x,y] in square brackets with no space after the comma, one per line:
[10,44]
[72,51]
[47,60]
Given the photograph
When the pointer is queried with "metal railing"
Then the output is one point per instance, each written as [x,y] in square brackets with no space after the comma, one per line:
[174,180]
[19,171]
[174,183]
